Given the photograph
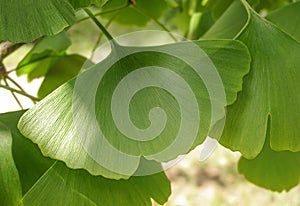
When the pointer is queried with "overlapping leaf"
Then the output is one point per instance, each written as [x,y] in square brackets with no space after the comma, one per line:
[269,90]
[10,187]
[25,21]
[60,72]
[43,55]
[271,169]
[71,112]
[288,19]
[48,59]
[45,180]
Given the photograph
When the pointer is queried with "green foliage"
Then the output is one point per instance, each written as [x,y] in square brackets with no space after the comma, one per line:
[10,186]
[135,15]
[25,21]
[40,176]
[258,65]
[61,132]
[77,4]
[271,169]
[246,124]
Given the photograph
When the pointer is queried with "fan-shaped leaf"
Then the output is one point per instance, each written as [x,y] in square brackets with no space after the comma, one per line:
[269,90]
[76,110]
[60,72]
[43,55]
[272,169]
[10,187]
[41,176]
[25,21]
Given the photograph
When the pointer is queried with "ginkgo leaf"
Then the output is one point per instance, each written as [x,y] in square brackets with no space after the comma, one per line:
[269,90]
[43,55]
[77,4]
[87,118]
[25,21]
[282,18]
[46,180]
[274,170]
[64,69]
[10,187]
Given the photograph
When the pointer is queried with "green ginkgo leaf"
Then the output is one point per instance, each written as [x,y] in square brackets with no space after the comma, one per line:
[139,101]
[25,21]
[64,69]
[274,170]
[43,55]
[10,187]
[282,18]
[269,90]
[41,176]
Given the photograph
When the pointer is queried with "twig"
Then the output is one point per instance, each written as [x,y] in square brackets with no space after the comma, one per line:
[19,92]
[143,12]
[13,94]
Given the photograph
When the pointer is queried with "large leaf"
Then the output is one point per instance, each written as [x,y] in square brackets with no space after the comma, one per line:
[10,187]
[269,90]
[48,181]
[271,169]
[25,21]
[282,18]
[77,110]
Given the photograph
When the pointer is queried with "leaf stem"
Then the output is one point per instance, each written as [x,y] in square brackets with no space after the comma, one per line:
[105,12]
[13,94]
[101,35]
[19,86]
[143,12]
[100,26]
[19,92]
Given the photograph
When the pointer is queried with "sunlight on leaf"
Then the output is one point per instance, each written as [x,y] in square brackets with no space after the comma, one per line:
[70,134]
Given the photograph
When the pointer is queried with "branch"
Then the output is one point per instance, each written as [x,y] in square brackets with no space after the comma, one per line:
[6,48]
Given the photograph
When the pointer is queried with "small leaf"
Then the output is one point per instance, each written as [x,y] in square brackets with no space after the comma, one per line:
[60,72]
[43,55]
[25,21]
[10,187]
[273,79]
[271,169]
[77,109]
